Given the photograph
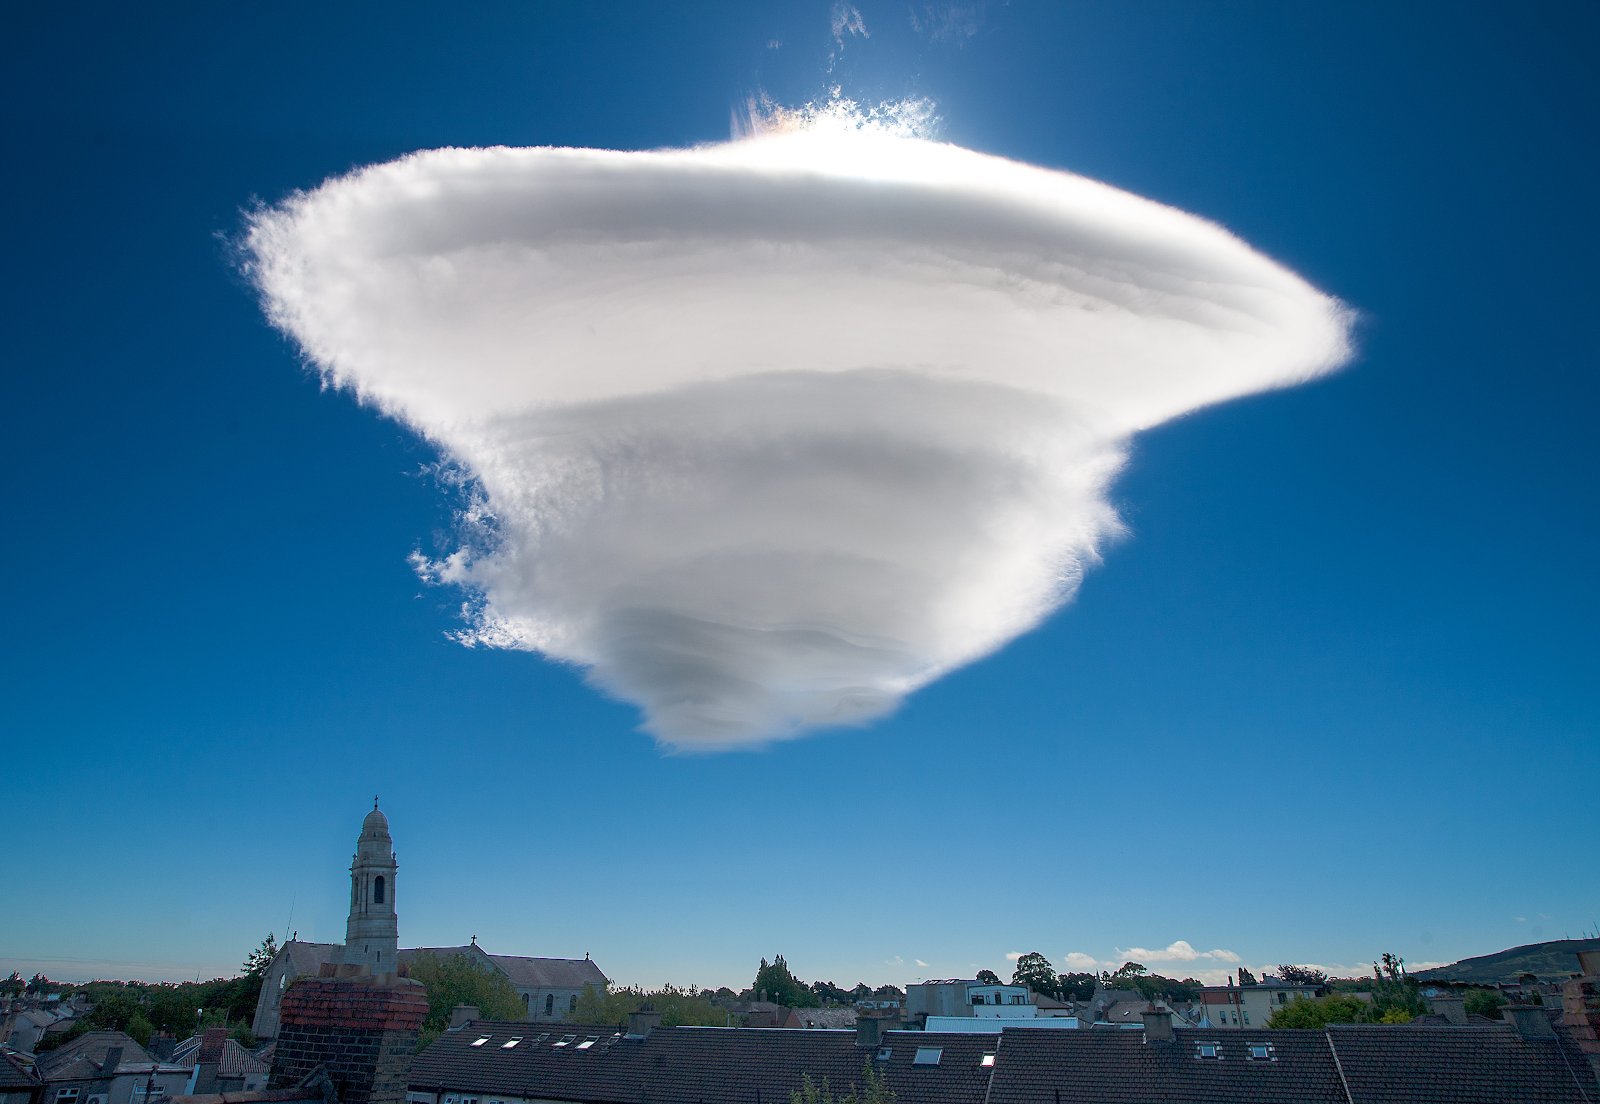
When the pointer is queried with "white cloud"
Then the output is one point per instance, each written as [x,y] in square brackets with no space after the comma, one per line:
[919,962]
[766,435]
[846,19]
[1014,955]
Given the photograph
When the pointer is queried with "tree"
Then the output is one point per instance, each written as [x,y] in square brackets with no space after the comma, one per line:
[460,980]
[1035,971]
[1075,986]
[1318,1013]
[37,985]
[1302,975]
[1246,977]
[1486,1002]
[1130,970]
[691,1007]
[13,985]
[781,986]
[988,977]
[1394,993]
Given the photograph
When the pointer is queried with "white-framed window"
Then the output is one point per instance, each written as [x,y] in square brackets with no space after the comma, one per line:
[66,1095]
[927,1056]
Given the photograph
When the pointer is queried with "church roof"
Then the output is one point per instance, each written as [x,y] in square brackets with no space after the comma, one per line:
[550,973]
[375,824]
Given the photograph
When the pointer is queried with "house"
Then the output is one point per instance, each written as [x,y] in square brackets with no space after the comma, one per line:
[18,1083]
[1240,1006]
[1345,1064]
[236,1069]
[968,997]
[506,1063]
[24,1027]
[107,1067]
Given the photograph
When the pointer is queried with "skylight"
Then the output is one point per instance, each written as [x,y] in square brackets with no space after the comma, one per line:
[481,1040]
[927,1056]
[589,1042]
[986,1061]
[565,1040]
[512,1043]
[884,1052]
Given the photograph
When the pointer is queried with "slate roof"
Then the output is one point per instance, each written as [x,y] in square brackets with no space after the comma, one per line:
[1113,1065]
[1346,1064]
[1461,1065]
[696,1065]
[236,1061]
[525,973]
[14,1076]
[83,1056]
[550,973]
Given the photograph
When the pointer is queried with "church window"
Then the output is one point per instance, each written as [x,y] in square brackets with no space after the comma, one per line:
[524,1002]
[377,889]
[549,1004]
[572,1005]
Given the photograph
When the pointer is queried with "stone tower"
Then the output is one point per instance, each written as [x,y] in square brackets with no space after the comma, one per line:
[372,935]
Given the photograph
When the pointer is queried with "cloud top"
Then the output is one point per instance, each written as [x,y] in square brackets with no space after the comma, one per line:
[764,435]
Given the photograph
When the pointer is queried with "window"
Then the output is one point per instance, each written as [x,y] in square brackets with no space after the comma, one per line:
[1247,1019]
[542,1038]
[64,1095]
[977,998]
[589,1042]
[1261,1052]
[565,1041]
[1283,998]
[986,1061]
[549,1004]
[572,1005]
[927,1056]
[508,1046]
[524,1002]
[377,890]
[481,1040]
[884,1053]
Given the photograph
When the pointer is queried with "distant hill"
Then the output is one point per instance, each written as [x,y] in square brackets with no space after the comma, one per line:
[1556,960]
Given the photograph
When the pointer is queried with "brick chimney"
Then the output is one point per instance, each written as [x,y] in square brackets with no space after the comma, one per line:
[642,1022]
[161,1046]
[1157,1024]
[871,1023]
[209,1061]
[1451,1007]
[109,1064]
[461,1015]
[1529,1020]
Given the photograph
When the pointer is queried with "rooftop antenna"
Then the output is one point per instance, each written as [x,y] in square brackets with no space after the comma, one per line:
[290,924]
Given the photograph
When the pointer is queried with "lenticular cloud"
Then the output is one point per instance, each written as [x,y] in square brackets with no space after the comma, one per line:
[765,435]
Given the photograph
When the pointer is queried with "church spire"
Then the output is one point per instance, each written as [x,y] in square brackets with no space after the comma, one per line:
[372,933]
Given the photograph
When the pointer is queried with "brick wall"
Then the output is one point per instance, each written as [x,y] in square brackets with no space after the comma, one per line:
[362,1030]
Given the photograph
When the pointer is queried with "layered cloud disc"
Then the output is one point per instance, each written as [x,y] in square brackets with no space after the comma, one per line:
[765,435]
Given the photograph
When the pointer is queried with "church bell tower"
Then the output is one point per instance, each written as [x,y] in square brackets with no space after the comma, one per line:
[372,935]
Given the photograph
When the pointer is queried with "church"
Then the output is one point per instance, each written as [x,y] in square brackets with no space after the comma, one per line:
[549,987]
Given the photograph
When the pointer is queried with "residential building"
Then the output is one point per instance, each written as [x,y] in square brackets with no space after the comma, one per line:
[968,997]
[107,1067]
[1241,1006]
[549,987]
[1157,1063]
[18,1083]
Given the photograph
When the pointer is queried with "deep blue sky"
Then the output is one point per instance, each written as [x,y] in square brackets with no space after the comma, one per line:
[1335,695]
